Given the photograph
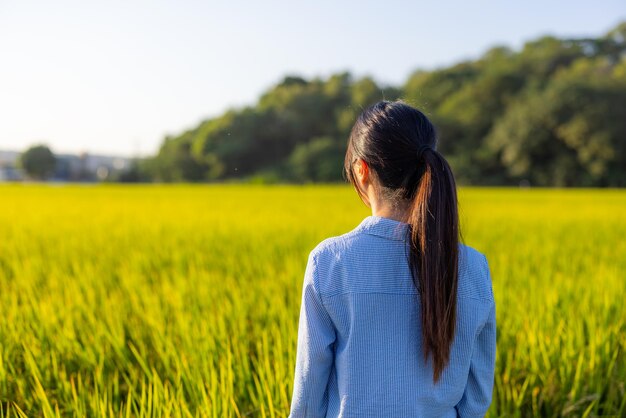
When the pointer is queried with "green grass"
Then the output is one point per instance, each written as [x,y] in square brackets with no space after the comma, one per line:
[184,300]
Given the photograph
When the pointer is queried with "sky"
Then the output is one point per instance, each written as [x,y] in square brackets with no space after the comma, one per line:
[115,77]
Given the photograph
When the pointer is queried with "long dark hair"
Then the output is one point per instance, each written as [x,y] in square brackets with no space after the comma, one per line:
[399,143]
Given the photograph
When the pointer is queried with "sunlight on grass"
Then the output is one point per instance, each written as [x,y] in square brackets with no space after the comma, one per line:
[183,300]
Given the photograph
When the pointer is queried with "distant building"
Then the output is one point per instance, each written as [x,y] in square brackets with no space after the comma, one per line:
[70,167]
[8,166]
[88,167]
[10,173]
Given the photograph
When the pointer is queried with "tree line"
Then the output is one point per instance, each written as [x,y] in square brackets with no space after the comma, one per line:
[550,114]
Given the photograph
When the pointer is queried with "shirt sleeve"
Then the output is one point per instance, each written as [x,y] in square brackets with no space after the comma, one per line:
[315,351]
[478,391]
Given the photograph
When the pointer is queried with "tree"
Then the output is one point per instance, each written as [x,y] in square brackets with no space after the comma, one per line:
[38,161]
[570,134]
[319,160]
[175,162]
[551,113]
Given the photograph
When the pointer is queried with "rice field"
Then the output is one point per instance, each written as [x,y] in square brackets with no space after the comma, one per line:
[180,300]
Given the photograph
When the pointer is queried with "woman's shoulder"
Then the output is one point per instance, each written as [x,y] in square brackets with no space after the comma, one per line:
[340,245]
[333,245]
[474,274]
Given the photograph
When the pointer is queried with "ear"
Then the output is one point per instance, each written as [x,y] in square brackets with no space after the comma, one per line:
[362,170]
[362,174]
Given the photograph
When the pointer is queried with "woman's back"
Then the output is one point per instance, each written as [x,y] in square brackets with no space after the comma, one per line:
[398,316]
[360,350]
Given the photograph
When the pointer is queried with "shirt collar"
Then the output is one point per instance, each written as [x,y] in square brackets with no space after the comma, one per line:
[384,227]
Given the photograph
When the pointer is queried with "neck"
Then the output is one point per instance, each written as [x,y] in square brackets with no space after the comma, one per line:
[400,214]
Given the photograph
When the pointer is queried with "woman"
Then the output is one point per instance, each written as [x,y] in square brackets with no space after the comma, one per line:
[397,316]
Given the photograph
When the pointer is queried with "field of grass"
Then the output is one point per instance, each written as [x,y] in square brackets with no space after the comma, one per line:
[184,300]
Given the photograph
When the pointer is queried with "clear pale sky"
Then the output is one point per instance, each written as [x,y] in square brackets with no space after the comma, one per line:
[116,76]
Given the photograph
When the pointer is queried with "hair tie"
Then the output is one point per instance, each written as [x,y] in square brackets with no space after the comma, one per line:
[421,149]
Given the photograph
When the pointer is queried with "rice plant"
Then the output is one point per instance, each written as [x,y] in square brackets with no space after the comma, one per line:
[183,301]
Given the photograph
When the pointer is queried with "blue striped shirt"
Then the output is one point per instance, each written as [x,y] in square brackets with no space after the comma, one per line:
[359,351]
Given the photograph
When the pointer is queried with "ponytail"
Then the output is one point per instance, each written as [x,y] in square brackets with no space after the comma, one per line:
[434,255]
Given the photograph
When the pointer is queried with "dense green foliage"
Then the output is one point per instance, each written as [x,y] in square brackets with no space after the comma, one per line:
[38,161]
[549,114]
[161,300]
